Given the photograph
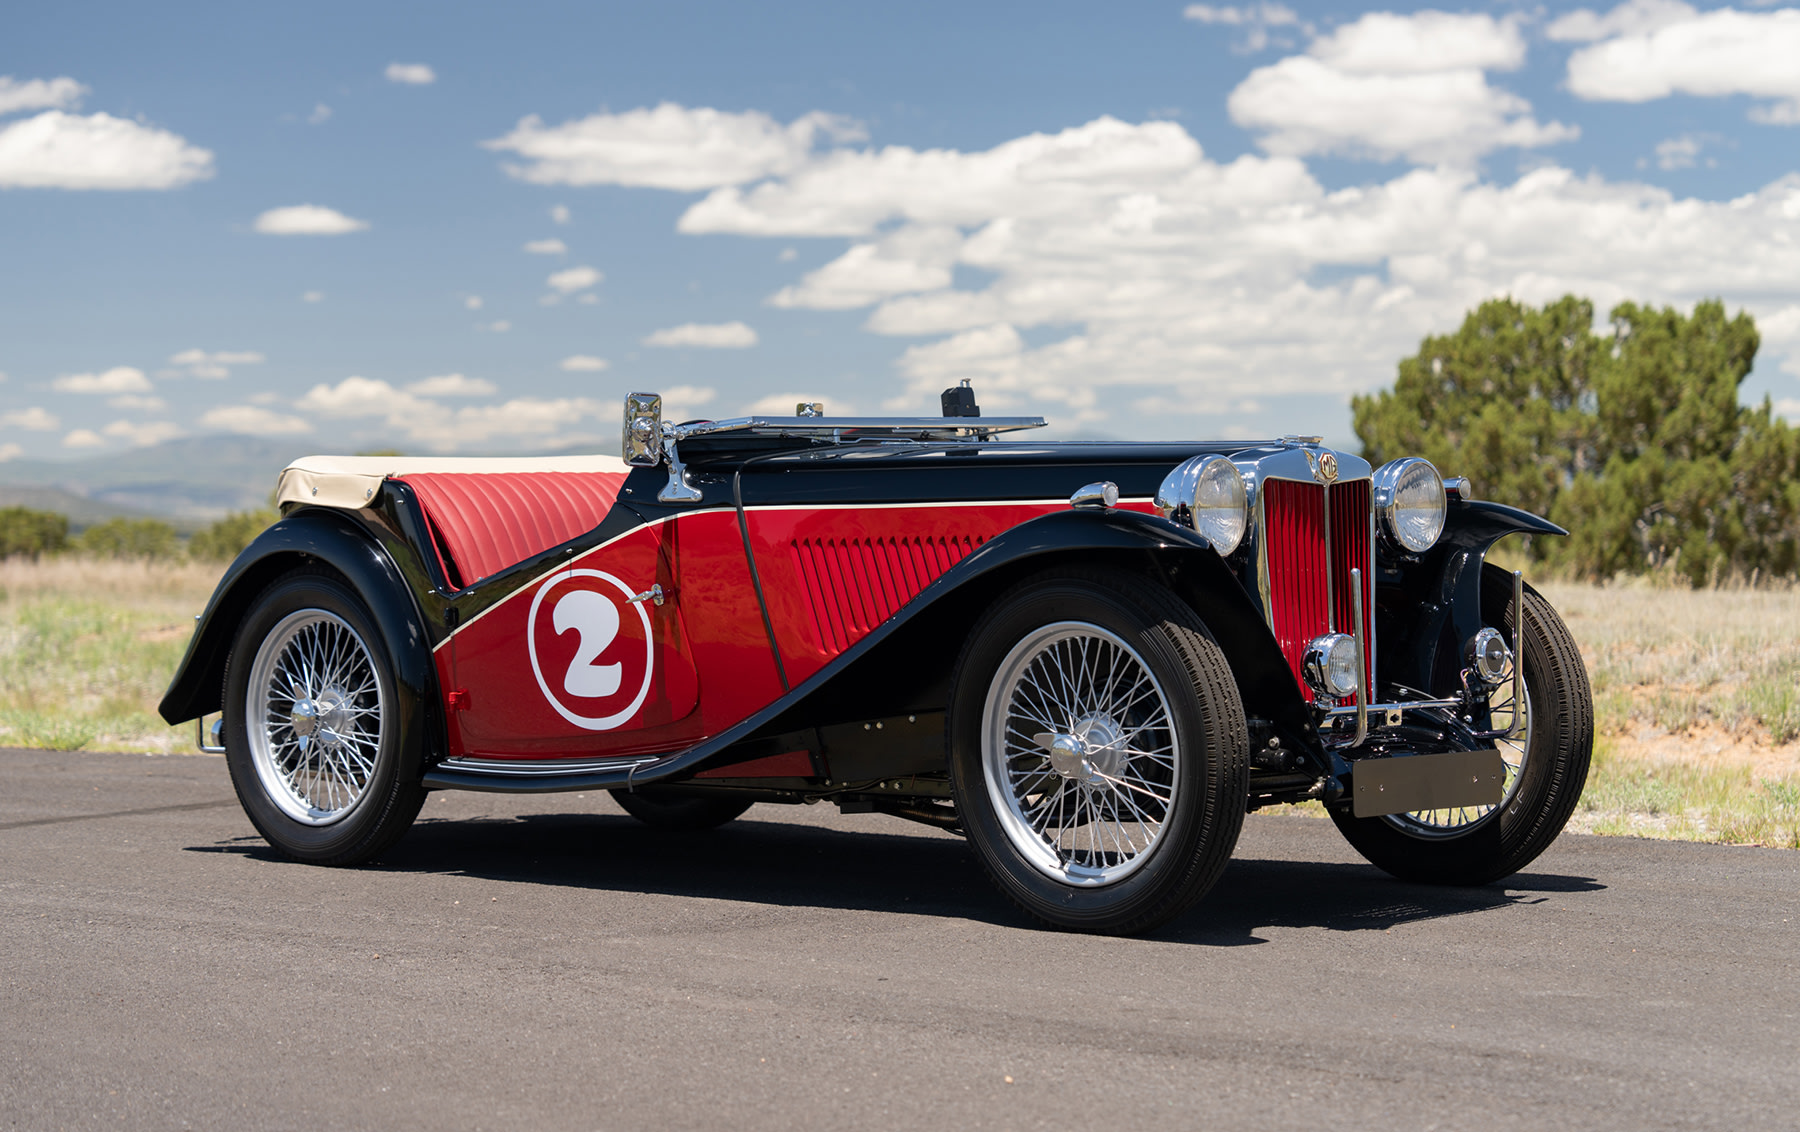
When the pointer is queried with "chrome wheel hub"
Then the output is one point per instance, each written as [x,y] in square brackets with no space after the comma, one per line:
[1091,753]
[323,720]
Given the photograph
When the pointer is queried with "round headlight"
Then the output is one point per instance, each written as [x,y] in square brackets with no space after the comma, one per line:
[1409,497]
[1207,494]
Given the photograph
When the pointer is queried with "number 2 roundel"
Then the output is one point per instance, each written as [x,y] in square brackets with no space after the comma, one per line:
[593,665]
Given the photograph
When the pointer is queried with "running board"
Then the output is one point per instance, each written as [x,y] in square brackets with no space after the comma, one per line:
[544,776]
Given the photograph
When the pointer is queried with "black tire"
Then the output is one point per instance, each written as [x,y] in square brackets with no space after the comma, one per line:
[661,809]
[314,800]
[1192,806]
[1558,747]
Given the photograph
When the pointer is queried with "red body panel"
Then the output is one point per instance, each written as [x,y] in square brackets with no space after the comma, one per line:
[830,574]
[528,661]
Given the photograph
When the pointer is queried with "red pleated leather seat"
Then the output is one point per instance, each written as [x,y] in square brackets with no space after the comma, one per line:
[487,521]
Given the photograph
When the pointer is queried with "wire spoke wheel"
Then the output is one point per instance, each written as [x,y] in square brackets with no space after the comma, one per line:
[1081,754]
[1513,754]
[313,714]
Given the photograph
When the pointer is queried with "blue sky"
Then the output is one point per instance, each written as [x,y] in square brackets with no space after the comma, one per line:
[1155,220]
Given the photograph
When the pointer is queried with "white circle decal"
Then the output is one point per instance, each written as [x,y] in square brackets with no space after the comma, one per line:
[590,673]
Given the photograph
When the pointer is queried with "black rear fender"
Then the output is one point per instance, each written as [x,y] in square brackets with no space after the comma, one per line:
[307,537]
[1426,614]
[905,666]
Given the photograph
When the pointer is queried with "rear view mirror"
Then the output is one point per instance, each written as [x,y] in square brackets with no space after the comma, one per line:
[642,445]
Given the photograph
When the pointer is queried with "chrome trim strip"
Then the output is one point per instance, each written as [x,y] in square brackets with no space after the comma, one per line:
[1404,705]
[1362,655]
[538,768]
[1330,573]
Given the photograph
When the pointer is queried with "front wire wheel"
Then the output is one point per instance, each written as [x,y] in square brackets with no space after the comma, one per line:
[1079,753]
[1099,756]
[316,738]
[1546,765]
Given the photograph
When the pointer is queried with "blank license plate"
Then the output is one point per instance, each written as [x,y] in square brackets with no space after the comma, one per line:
[1427,782]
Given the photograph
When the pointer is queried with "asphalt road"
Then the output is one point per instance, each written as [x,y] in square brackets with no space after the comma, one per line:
[546,962]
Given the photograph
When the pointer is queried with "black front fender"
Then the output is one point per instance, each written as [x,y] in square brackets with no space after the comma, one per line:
[1436,604]
[309,535]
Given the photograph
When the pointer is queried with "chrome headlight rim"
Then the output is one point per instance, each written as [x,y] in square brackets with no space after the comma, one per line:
[1406,490]
[1206,494]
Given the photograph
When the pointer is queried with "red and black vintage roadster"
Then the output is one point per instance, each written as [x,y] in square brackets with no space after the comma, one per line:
[1091,658]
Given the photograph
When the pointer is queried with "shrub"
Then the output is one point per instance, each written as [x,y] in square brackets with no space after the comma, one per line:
[226,538]
[34,533]
[130,538]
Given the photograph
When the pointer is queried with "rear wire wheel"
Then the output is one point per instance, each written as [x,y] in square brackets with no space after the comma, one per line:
[1099,755]
[313,729]
[1546,764]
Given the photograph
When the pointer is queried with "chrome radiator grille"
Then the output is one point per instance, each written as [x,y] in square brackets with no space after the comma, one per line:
[1310,536]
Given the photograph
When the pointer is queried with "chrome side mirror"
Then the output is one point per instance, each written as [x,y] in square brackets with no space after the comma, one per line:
[642,445]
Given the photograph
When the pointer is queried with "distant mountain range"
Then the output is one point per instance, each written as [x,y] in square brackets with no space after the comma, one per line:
[188,482]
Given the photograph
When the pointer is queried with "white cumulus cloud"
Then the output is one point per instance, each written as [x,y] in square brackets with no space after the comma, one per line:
[10,452]
[547,247]
[521,421]
[253,420]
[32,419]
[706,336]
[307,220]
[141,434]
[215,365]
[1256,20]
[667,147]
[58,150]
[410,74]
[914,258]
[119,379]
[39,94]
[1396,86]
[583,363]
[1113,255]
[83,438]
[572,279]
[1708,54]
[451,385]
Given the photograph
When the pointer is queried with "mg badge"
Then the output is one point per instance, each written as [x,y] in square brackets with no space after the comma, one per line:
[1327,467]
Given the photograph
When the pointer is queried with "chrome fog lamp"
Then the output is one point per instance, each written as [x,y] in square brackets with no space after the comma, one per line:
[1206,493]
[1409,497]
[1331,667]
[1489,657]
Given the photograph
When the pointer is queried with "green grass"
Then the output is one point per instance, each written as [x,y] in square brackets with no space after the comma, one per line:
[87,649]
[1687,802]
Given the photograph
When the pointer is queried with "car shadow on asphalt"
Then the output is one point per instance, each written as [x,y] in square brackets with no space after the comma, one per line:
[795,865]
